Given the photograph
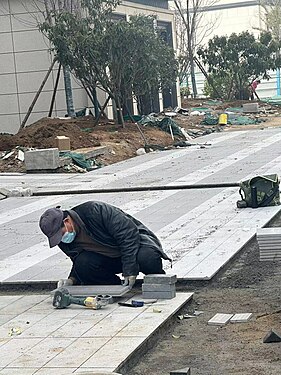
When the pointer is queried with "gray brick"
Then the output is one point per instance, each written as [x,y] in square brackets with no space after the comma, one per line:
[159,295]
[158,287]
[160,279]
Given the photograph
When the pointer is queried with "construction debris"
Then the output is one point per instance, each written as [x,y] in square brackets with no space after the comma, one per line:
[178,124]
[272,336]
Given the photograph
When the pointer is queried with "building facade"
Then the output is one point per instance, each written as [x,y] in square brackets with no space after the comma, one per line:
[25,59]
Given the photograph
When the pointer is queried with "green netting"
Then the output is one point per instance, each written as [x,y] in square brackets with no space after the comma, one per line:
[234,109]
[210,120]
[243,120]
[78,159]
[201,109]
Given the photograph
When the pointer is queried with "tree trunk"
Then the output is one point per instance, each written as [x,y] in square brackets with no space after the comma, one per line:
[119,112]
[190,48]
[68,92]
[193,79]
[95,102]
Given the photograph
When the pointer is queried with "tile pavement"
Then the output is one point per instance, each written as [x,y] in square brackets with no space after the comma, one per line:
[190,223]
[75,339]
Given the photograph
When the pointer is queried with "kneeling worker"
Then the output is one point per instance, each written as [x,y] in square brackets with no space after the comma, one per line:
[102,241]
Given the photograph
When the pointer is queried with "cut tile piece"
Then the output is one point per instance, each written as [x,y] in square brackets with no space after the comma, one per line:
[241,318]
[220,319]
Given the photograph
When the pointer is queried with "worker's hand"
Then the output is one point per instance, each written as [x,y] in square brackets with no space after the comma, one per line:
[64,282]
[129,281]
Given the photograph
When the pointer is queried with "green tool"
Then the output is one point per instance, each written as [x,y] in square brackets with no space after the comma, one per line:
[62,299]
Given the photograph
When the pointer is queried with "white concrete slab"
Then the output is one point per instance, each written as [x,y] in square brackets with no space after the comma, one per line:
[220,319]
[241,318]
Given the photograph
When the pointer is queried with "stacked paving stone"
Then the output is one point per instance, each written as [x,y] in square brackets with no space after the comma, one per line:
[159,286]
[269,241]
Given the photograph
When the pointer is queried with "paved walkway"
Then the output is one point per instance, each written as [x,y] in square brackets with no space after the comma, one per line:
[200,229]
[75,339]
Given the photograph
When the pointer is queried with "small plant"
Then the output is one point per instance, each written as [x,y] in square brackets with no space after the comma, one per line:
[185,92]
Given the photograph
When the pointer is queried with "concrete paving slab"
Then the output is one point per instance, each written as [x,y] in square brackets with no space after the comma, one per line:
[241,318]
[93,290]
[220,319]
[46,345]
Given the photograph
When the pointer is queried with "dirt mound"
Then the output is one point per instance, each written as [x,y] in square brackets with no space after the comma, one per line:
[121,143]
[42,134]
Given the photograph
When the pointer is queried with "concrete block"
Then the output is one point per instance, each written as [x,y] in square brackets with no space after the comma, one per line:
[159,279]
[158,287]
[159,295]
[42,159]
[251,108]
[184,371]
[62,143]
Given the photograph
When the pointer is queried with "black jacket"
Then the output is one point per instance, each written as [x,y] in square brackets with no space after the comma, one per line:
[112,227]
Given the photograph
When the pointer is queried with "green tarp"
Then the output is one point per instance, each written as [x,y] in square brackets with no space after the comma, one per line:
[243,120]
[234,109]
[200,109]
[166,124]
[210,120]
[78,159]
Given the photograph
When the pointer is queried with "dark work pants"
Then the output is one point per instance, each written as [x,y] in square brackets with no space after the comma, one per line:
[90,268]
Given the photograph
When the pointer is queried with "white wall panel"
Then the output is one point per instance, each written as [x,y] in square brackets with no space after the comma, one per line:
[5,24]
[6,63]
[8,84]
[33,61]
[9,123]
[31,40]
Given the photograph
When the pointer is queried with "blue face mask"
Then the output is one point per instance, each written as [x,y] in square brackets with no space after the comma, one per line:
[68,237]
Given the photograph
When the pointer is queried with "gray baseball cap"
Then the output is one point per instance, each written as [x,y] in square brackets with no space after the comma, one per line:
[51,225]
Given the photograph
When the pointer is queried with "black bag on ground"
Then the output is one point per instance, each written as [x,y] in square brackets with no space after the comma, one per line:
[259,191]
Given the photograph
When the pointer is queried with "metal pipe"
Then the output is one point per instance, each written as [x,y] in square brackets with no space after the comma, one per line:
[135,189]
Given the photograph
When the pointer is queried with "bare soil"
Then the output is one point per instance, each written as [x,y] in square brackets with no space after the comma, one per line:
[246,285]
